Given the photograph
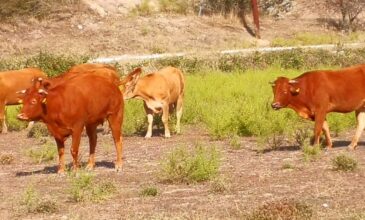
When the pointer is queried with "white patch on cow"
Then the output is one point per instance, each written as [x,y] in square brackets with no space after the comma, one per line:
[155,106]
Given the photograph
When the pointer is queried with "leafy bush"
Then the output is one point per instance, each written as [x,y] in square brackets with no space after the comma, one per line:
[176,6]
[311,152]
[182,165]
[38,130]
[344,162]
[12,122]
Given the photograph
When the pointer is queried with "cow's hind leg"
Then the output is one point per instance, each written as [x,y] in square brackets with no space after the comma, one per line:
[91,133]
[318,126]
[360,117]
[165,119]
[115,122]
[327,134]
[2,118]
[149,113]
[179,109]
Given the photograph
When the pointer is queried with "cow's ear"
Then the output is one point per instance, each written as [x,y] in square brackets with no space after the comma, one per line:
[132,78]
[294,90]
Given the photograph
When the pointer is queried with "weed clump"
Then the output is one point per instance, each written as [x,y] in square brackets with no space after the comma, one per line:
[83,188]
[344,162]
[285,209]
[6,159]
[311,152]
[38,130]
[149,191]
[47,152]
[33,203]
[182,165]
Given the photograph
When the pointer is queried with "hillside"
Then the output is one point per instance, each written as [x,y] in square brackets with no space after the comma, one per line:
[113,27]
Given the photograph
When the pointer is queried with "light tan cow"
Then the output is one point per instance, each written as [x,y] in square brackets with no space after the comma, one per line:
[10,83]
[160,91]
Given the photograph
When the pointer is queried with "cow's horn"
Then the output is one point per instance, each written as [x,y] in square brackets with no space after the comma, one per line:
[293,81]
[42,91]
[21,92]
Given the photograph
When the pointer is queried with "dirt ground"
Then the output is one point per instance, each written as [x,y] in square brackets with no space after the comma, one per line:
[252,179]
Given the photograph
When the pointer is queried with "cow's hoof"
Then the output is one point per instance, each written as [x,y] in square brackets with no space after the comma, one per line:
[147,137]
[90,167]
[167,135]
[351,147]
[61,172]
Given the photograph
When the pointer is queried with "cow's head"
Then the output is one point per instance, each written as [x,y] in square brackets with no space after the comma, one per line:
[129,83]
[284,89]
[34,100]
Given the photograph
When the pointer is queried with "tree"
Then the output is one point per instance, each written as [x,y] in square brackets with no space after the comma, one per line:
[349,10]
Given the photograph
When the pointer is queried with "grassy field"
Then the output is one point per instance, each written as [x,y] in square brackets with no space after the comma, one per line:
[228,104]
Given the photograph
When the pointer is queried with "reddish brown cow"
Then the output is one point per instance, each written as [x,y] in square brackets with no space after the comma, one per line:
[160,91]
[314,94]
[11,82]
[82,101]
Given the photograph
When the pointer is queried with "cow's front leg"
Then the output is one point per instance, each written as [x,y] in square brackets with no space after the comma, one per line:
[61,155]
[76,138]
[360,117]
[165,119]
[318,126]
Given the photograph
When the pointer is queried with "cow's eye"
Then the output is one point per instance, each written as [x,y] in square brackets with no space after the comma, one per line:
[33,102]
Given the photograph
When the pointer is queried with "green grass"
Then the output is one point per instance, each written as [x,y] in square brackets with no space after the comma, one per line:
[311,152]
[84,187]
[344,162]
[149,191]
[12,122]
[190,166]
[305,38]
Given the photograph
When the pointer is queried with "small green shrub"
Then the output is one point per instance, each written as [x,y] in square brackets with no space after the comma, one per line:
[311,152]
[35,204]
[182,165]
[83,188]
[344,162]
[149,191]
[6,159]
[38,130]
[46,152]
[143,9]
[288,166]
[281,209]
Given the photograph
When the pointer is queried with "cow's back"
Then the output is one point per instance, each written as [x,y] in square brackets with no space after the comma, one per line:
[15,80]
[167,82]
[343,89]
[84,98]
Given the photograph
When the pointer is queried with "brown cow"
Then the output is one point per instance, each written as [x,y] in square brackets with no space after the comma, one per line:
[160,92]
[11,82]
[82,101]
[314,94]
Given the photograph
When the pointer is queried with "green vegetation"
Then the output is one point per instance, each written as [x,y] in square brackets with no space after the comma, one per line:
[288,166]
[305,38]
[143,9]
[84,188]
[33,203]
[235,143]
[281,209]
[12,122]
[311,152]
[46,152]
[175,6]
[219,185]
[344,162]
[149,191]
[189,166]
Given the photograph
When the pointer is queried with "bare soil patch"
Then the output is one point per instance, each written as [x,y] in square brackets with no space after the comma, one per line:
[252,180]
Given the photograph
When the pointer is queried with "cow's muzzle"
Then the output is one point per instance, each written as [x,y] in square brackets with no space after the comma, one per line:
[22,117]
[276,106]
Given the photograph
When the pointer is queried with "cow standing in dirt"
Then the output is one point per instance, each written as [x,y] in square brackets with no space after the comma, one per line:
[84,100]
[160,91]
[11,82]
[314,94]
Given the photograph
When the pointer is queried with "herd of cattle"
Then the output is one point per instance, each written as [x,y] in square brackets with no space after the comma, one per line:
[88,94]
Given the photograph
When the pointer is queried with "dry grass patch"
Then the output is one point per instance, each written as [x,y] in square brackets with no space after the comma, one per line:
[6,159]
[344,162]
